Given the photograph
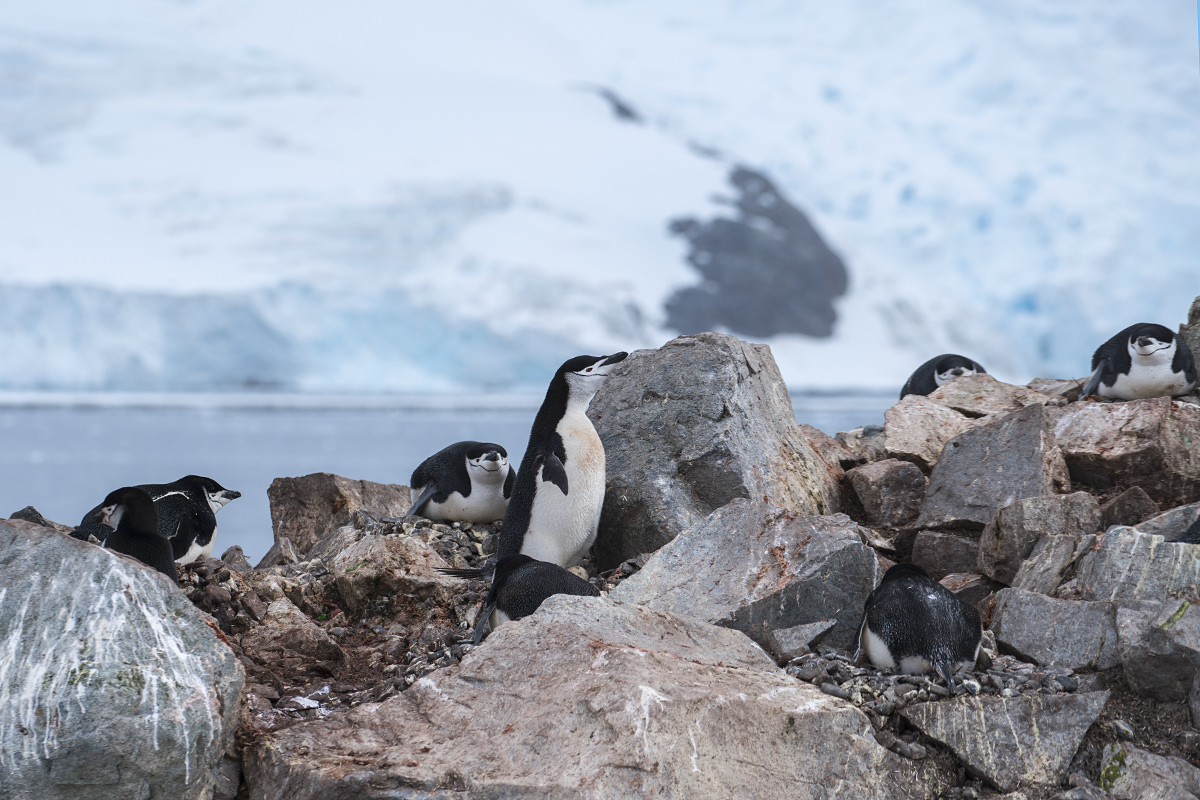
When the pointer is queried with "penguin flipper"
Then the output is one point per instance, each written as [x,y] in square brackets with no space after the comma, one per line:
[1093,384]
[422,499]
[554,472]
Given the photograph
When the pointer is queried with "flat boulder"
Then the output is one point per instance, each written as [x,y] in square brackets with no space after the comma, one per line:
[1009,538]
[1146,443]
[917,428]
[1015,740]
[1160,647]
[983,396]
[691,426]
[307,509]
[890,491]
[1128,565]
[1068,633]
[1001,460]
[588,698]
[112,685]
[758,568]
[1130,773]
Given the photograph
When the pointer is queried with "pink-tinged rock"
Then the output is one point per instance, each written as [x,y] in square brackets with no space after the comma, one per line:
[984,396]
[890,491]
[917,428]
[1154,444]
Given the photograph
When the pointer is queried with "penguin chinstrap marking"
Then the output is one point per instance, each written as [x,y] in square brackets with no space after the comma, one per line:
[465,482]
[519,586]
[937,371]
[912,623]
[555,506]
[1144,360]
[130,512]
[187,514]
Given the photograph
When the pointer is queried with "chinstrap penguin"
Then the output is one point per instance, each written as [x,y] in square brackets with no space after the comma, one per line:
[130,512]
[911,623]
[186,511]
[555,505]
[519,586]
[937,370]
[1144,360]
[465,482]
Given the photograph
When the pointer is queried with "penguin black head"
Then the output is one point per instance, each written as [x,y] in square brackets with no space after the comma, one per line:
[130,511]
[911,623]
[1143,360]
[937,371]
[202,488]
[584,374]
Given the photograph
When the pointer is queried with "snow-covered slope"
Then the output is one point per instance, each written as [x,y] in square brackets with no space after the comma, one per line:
[384,196]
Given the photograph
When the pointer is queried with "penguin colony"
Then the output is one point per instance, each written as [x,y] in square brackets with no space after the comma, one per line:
[551,506]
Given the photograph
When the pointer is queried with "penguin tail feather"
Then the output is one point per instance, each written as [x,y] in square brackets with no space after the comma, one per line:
[483,622]
[946,670]
[461,573]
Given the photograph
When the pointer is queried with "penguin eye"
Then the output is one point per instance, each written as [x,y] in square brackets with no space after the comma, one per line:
[589,369]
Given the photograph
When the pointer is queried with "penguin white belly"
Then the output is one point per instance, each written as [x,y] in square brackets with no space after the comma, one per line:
[196,551]
[1146,381]
[486,503]
[875,648]
[563,526]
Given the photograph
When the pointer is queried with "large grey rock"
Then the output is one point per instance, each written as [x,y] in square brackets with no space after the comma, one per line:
[1009,538]
[1069,633]
[890,491]
[758,568]
[691,426]
[590,699]
[1011,741]
[1002,460]
[917,428]
[112,685]
[942,554]
[1130,773]
[1050,562]
[304,510]
[1148,443]
[1160,647]
[984,396]
[1170,524]
[1129,565]
[1128,508]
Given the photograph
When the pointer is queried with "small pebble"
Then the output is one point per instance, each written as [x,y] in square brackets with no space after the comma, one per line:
[1123,729]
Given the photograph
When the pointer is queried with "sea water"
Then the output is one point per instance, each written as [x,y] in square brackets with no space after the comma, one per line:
[63,454]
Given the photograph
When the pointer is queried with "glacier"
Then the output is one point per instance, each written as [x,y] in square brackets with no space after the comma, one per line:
[388,198]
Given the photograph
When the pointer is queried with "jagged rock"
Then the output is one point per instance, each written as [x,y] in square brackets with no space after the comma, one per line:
[869,442]
[1067,389]
[1147,443]
[1160,647]
[1128,508]
[1011,741]
[31,514]
[1050,562]
[1130,773]
[377,566]
[1135,566]
[1010,536]
[286,632]
[590,698]
[916,429]
[890,491]
[970,586]
[942,554]
[112,685]
[834,451]
[758,568]
[691,426]
[305,509]
[1068,633]
[788,643]
[983,396]
[999,461]
[235,558]
[1170,524]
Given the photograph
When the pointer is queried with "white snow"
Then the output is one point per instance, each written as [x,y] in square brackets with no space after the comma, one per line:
[386,197]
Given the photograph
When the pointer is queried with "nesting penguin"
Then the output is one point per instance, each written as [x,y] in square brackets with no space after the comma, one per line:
[465,482]
[912,623]
[129,511]
[937,370]
[1144,360]
[555,505]
[519,586]
[186,512]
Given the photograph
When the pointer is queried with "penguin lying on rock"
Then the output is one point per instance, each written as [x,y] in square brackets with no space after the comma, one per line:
[937,370]
[464,482]
[1144,360]
[912,623]
[519,586]
[129,511]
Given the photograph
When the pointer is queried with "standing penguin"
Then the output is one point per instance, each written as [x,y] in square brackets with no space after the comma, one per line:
[519,586]
[1144,360]
[465,482]
[130,512]
[555,505]
[914,624]
[937,370]
[186,511]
